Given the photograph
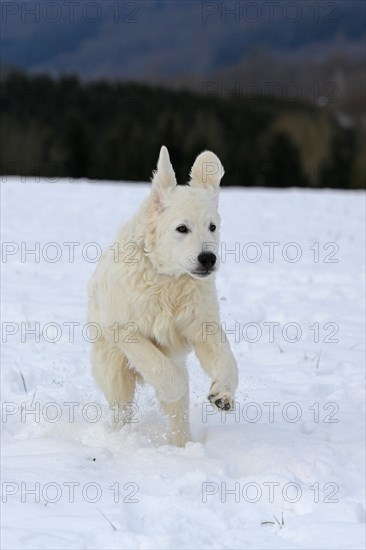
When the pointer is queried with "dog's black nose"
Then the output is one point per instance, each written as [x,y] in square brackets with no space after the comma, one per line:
[207,259]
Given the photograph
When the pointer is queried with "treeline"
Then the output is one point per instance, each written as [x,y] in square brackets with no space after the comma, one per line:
[113,131]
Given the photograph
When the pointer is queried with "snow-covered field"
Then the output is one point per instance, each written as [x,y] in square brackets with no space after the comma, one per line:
[293,450]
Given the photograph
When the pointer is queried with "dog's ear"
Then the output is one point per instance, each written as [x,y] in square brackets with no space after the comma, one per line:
[206,171]
[164,176]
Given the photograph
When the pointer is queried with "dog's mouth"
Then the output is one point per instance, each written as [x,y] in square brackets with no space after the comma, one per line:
[202,273]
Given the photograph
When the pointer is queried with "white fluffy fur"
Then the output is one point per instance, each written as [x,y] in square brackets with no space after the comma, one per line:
[151,305]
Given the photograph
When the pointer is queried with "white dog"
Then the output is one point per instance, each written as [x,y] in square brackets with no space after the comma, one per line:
[155,297]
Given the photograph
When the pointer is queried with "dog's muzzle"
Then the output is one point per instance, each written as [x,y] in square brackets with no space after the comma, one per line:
[206,264]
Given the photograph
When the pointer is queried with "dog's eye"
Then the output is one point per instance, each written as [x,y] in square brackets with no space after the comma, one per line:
[212,227]
[182,229]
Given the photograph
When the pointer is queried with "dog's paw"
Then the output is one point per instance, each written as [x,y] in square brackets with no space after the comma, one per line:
[222,399]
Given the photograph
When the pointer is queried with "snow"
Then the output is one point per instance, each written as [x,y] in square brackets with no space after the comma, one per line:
[299,425]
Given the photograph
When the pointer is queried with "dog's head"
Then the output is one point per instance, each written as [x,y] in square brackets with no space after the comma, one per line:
[184,223]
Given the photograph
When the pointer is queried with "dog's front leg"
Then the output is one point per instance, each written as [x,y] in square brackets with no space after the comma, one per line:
[169,381]
[217,360]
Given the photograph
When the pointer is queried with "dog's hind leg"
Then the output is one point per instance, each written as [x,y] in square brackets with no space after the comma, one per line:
[111,371]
